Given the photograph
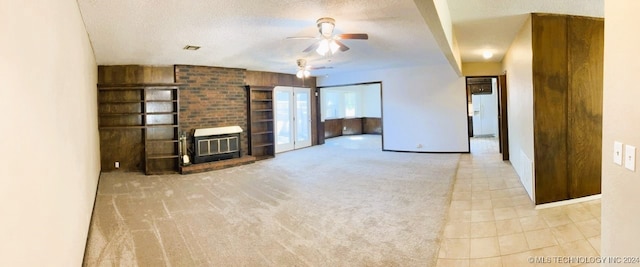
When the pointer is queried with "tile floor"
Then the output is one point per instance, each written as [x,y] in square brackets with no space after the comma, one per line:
[492,221]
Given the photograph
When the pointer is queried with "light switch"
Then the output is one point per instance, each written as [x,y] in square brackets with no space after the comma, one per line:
[617,153]
[630,157]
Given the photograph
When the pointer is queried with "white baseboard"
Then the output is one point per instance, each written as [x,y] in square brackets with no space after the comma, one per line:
[568,202]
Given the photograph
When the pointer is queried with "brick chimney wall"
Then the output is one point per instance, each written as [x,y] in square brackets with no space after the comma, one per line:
[212,97]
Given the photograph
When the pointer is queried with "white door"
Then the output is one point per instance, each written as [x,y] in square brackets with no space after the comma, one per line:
[293,118]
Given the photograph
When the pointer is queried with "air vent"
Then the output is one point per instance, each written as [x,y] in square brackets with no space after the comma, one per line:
[191,47]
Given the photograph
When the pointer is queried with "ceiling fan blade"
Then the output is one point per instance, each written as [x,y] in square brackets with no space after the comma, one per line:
[312,47]
[302,37]
[319,68]
[358,36]
[342,46]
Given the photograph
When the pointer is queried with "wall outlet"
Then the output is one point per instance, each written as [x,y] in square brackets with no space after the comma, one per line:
[419,146]
[344,128]
[117,165]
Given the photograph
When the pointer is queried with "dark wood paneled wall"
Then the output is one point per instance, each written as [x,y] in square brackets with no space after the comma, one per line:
[584,141]
[123,74]
[372,125]
[352,126]
[332,128]
[260,78]
[550,107]
[567,96]
[127,146]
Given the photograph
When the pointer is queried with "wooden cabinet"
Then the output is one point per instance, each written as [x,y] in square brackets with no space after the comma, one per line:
[144,117]
[260,121]
[481,88]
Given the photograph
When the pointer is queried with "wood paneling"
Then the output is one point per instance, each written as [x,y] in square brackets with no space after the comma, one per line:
[567,95]
[586,50]
[549,104]
[126,74]
[352,126]
[372,125]
[332,128]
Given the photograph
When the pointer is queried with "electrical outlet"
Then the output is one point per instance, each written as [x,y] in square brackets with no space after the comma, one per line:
[419,146]
[117,164]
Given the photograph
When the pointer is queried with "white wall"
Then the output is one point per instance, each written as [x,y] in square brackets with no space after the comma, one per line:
[620,187]
[482,69]
[518,63]
[420,105]
[49,167]
[371,100]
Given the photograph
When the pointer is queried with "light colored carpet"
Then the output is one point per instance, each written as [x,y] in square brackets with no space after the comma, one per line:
[345,203]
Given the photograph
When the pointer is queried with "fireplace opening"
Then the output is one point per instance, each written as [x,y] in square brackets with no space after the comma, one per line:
[219,143]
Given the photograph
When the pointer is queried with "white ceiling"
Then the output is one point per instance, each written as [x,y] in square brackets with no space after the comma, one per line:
[493,24]
[251,34]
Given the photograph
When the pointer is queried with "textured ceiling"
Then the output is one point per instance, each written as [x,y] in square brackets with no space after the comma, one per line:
[493,24]
[251,34]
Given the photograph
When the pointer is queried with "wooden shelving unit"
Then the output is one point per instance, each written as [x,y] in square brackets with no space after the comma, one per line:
[260,121]
[152,111]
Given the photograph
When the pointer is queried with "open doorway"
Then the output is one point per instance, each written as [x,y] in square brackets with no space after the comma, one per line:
[351,110]
[487,118]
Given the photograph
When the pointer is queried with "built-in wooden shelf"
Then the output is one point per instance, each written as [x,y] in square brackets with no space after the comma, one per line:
[260,121]
[150,107]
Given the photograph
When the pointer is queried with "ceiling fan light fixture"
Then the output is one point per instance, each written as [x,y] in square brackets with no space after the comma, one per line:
[326,26]
[303,73]
[334,47]
[323,48]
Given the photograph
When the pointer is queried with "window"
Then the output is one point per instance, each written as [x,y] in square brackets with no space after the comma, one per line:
[350,104]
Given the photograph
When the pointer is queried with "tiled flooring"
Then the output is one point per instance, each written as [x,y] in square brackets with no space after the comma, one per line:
[492,221]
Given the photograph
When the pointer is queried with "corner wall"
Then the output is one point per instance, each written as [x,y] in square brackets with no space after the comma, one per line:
[51,157]
[518,64]
[620,198]
[420,105]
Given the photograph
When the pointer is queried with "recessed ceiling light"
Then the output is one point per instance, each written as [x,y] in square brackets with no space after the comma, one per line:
[191,47]
[487,54]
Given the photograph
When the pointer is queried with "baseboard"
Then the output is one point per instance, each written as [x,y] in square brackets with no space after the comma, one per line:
[568,202]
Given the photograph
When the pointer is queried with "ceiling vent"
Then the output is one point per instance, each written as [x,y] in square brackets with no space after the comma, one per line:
[191,47]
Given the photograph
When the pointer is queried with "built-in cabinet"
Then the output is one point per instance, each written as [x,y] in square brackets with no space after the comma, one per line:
[260,123]
[145,118]
[567,101]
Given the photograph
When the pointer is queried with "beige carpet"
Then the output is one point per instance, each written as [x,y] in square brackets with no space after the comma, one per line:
[345,203]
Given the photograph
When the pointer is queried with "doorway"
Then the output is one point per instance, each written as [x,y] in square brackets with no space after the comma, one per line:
[292,124]
[487,118]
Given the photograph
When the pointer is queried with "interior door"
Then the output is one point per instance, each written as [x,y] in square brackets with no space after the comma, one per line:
[292,122]
[502,117]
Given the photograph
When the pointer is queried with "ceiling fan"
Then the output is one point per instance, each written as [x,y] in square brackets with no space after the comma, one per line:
[304,69]
[330,43]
